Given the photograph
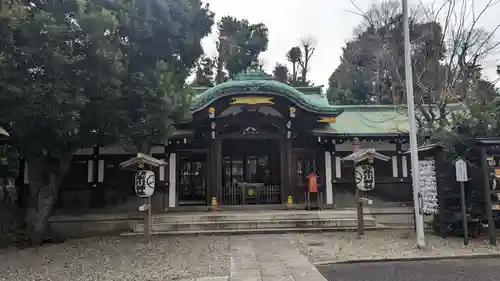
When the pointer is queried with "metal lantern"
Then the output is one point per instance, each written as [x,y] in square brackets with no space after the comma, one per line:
[144,183]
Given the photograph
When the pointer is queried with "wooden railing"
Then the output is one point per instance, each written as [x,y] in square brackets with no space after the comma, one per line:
[239,194]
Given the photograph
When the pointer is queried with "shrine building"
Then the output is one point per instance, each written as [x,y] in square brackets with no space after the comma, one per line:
[258,131]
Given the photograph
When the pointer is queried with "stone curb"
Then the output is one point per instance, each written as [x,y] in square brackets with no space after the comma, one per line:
[421,258]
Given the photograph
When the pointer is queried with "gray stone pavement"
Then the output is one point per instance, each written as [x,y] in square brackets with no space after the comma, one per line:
[269,258]
[443,270]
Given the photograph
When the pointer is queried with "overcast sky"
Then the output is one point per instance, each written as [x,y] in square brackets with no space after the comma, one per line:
[329,21]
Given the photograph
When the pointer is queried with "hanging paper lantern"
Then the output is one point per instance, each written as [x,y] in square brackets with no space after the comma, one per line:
[365,177]
[144,183]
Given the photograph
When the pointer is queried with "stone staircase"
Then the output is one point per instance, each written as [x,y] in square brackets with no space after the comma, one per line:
[247,222]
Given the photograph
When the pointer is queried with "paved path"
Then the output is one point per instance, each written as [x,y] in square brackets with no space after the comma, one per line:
[259,258]
[445,270]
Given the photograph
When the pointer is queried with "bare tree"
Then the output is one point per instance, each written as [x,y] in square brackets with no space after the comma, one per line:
[308,45]
[466,45]
[448,46]
[382,14]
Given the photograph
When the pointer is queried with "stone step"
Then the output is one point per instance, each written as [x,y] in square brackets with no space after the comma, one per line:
[252,223]
[248,231]
[257,216]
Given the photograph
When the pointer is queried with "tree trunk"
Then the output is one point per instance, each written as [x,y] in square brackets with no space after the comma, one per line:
[45,179]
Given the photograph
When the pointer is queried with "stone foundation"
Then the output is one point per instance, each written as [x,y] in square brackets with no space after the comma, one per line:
[112,224]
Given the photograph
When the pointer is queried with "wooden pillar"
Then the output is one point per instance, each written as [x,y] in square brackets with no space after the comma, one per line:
[328,178]
[290,167]
[215,170]
[208,175]
[95,165]
[211,171]
[172,180]
[97,192]
[23,188]
[284,180]
[166,178]
[487,197]
[399,159]
[441,182]
[335,172]
[214,161]
[218,170]
[286,170]
[359,202]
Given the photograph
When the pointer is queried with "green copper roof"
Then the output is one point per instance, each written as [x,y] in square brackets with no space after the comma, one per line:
[368,120]
[351,119]
[373,120]
[257,82]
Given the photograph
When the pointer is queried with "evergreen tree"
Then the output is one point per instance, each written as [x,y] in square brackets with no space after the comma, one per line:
[81,72]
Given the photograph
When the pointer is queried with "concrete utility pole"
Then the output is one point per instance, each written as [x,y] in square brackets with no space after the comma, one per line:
[419,218]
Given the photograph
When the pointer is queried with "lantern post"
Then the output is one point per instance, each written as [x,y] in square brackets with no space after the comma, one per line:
[144,185]
[364,178]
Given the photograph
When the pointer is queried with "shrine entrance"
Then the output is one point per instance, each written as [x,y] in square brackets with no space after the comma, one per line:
[192,186]
[251,172]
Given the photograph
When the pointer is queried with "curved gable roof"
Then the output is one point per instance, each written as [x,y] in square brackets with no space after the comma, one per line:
[260,83]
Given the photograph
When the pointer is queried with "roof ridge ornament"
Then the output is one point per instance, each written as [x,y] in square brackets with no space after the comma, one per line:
[253,72]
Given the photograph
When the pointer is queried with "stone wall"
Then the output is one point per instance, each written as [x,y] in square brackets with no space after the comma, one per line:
[93,224]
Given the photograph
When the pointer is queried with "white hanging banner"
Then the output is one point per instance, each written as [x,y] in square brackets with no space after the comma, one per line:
[161,171]
[428,187]
[338,167]
[395,167]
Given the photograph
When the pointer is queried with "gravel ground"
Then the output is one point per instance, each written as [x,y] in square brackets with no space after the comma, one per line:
[119,258]
[178,258]
[383,244]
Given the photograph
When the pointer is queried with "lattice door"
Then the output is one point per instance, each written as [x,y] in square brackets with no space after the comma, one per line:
[307,162]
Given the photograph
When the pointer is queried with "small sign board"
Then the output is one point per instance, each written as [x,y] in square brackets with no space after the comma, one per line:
[461,169]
